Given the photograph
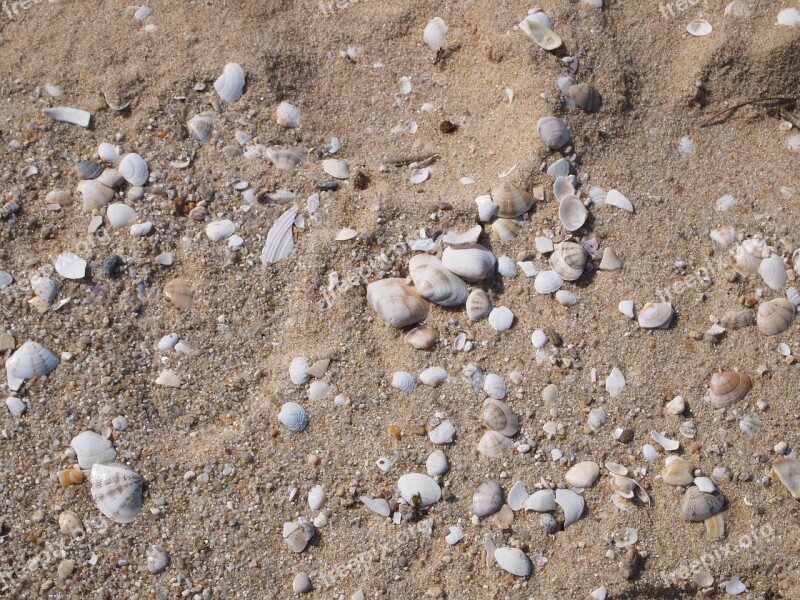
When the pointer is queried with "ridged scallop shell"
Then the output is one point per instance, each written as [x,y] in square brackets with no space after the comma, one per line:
[775,316]
[793,296]
[487,499]
[134,169]
[505,230]
[437,463]
[499,417]
[514,561]
[478,305]
[473,262]
[568,260]
[91,448]
[31,360]
[433,376]
[419,490]
[511,200]
[117,491]
[220,230]
[572,213]
[610,261]
[494,387]
[293,416]
[201,126]
[582,474]
[572,504]
[286,159]
[539,33]
[541,501]
[677,472]
[553,132]
[656,315]
[287,115]
[422,338]
[492,443]
[396,303]
[403,381]
[697,506]
[298,370]
[436,283]
[280,240]
[45,288]
[442,433]
[586,96]
[179,292]
[737,8]
[547,282]
[773,272]
[95,194]
[728,388]
[230,85]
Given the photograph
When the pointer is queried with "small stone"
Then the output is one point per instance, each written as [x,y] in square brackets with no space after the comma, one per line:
[781,448]
[676,406]
[301,583]
[625,436]
[65,568]
[447,127]
[631,564]
[548,523]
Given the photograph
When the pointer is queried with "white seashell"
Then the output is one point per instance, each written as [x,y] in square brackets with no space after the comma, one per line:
[397,304]
[316,497]
[492,443]
[572,505]
[528,268]
[506,266]
[119,215]
[747,261]
[419,490]
[45,288]
[656,315]
[403,381]
[626,537]
[734,586]
[793,295]
[436,283]
[614,198]
[336,167]
[377,505]
[610,261]
[560,168]
[539,33]
[724,203]
[473,262]
[501,318]
[494,387]
[566,298]
[230,84]
[59,197]
[563,187]
[16,406]
[134,169]
[517,496]
[70,523]
[626,308]
[538,16]
[220,230]
[168,378]
[201,126]
[572,213]
[31,360]
[789,17]
[109,153]
[773,272]
[157,559]
[487,499]
[287,115]
[297,534]
[511,200]
[117,491]
[478,305]
[787,470]
[547,282]
[505,230]
[539,339]
[66,114]
[456,535]
[724,236]
[513,560]
[437,463]
[541,501]
[286,159]
[293,416]
[443,433]
[433,376]
[298,370]
[141,229]
[666,443]
[346,234]
[167,342]
[486,208]
[435,33]
[462,239]
[615,382]
[705,484]
[568,260]
[318,390]
[553,132]
[699,27]
[91,448]
[95,194]
[113,179]
[737,8]
[583,474]
[279,238]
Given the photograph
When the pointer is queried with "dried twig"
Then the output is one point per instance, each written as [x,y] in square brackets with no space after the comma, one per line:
[424,159]
[737,106]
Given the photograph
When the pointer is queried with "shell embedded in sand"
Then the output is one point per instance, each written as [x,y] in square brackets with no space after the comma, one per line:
[230,84]
[179,292]
[511,200]
[478,305]
[419,490]
[31,360]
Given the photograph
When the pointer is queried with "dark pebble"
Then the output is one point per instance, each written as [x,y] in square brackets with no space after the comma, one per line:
[447,127]
[112,265]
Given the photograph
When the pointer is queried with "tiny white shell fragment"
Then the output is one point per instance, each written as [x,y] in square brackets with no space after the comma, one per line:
[486,208]
[71,266]
[582,474]
[614,198]
[119,215]
[346,234]
[167,343]
[279,241]
[724,203]
[517,496]
[528,268]
[699,27]
[298,370]
[455,535]
[141,229]
[615,382]
[287,115]
[559,168]
[377,505]
[566,298]
[168,378]
[419,175]
[501,318]
[572,504]
[789,17]
[541,501]
[649,452]
[666,443]
[316,497]
[626,308]
[506,267]
[109,153]
[734,586]
[539,339]
[437,463]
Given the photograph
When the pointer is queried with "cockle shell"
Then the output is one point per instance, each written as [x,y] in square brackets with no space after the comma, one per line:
[280,240]
[437,463]
[773,272]
[559,168]
[293,416]
[286,159]
[473,262]
[336,168]
[31,360]
[493,443]
[501,318]
[547,282]
[728,388]
[434,34]
[541,501]
[677,472]
[553,132]
[436,283]
[45,288]
[297,534]
[572,504]
[442,433]
[220,230]
[494,387]
[201,126]
[91,448]
[511,200]
[793,295]
[230,84]
[396,303]
[487,499]
[403,381]
[787,470]
[419,490]
[775,316]
[95,194]
[583,474]
[117,491]
[514,561]
[422,338]
[478,305]
[697,506]
[586,96]
[433,376]
[610,261]
[572,213]
[568,260]
[287,115]
[656,315]
[541,34]
[505,230]
[134,169]
[498,416]
[179,292]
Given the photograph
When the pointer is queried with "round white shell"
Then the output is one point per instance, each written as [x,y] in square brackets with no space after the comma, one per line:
[572,213]
[134,169]
[230,84]
[419,490]
[501,318]
[220,230]
[117,491]
[437,463]
[336,168]
[494,387]
[433,376]
[119,215]
[699,27]
[316,497]
[656,315]
[403,381]
[435,33]
[553,132]
[287,115]
[473,262]
[297,370]
[91,448]
[201,126]
[513,560]
[443,433]
[293,416]
[547,282]
[773,272]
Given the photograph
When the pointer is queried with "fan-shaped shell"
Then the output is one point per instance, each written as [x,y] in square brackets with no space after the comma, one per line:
[473,262]
[586,96]
[492,443]
[656,315]
[437,463]
[280,240]
[478,305]
[541,34]
[419,490]
[286,159]
[553,132]
[117,491]
[572,213]
[31,360]
[230,84]
[514,561]
[547,282]
[95,194]
[498,416]
[494,387]
[396,303]
[403,381]
[293,416]
[45,288]
[487,499]
[435,283]
[775,316]
[568,260]
[134,169]
[541,501]
[563,187]
[697,506]
[336,167]
[433,376]
[728,388]
[582,474]
[511,200]
[201,126]
[179,292]
[773,272]
[91,448]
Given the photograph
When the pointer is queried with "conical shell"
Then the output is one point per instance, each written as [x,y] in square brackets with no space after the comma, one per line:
[95,194]
[542,35]
[478,305]
[553,132]
[511,200]
[568,260]
[230,84]
[45,288]
[117,491]
[775,316]
[498,416]
[30,361]
[514,561]
[582,474]
[572,213]
[179,292]
[422,338]
[201,126]
[697,506]
[91,448]
[656,315]
[487,499]
[419,490]
[610,261]
[586,96]
[493,443]
[728,388]
[134,169]
[473,262]
[435,283]
[787,470]
[293,416]
[396,303]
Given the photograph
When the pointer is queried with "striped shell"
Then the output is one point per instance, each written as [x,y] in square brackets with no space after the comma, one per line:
[92,448]
[280,240]
[511,200]
[403,381]
[396,303]
[134,169]
[117,491]
[656,315]
[179,292]
[697,506]
[487,499]
[773,272]
[775,316]
[435,283]
[478,305]
[547,282]
[499,417]
[201,126]
[493,443]
[230,84]
[553,132]
[30,361]
[728,388]
[568,260]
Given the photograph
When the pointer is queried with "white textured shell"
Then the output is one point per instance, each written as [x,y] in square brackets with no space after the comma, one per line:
[437,463]
[553,132]
[117,491]
[119,215]
[230,84]
[67,114]
[287,115]
[494,387]
[279,238]
[443,433]
[473,262]
[572,213]
[572,504]
[773,272]
[293,416]
[493,443]
[201,126]
[403,381]
[220,230]
[547,282]
[336,168]
[92,448]
[71,266]
[513,560]
[31,360]
[134,169]
[517,496]
[539,33]
[297,370]
[157,559]
[419,490]
[436,283]
[656,315]
[501,318]
[94,194]
[615,382]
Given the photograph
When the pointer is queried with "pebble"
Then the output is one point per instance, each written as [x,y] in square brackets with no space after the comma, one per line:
[16,406]
[301,583]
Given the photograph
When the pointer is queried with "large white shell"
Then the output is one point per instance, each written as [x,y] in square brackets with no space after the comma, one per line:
[397,304]
[487,499]
[95,194]
[287,115]
[656,315]
[436,283]
[553,132]
[568,260]
[45,288]
[336,168]
[541,34]
[68,114]
[513,560]
[230,84]
[437,463]
[403,381]
[119,215]
[473,262]
[443,433]
[572,213]
[541,501]
[220,230]
[91,448]
[435,33]
[134,169]
[31,360]
[433,376]
[572,504]
[419,490]
[293,416]
[773,272]
[279,238]
[547,282]
[615,382]
[117,491]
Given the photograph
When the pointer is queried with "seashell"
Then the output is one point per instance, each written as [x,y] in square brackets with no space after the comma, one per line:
[230,84]
[572,505]
[396,303]
[541,501]
[287,115]
[109,153]
[547,282]
[513,560]
[119,215]
[377,505]
[493,443]
[773,272]
[677,472]
[297,370]
[553,132]
[649,452]
[737,319]
[704,484]
[419,175]
[462,239]
[749,263]
[59,197]
[656,315]
[17,408]
[724,236]
[134,169]
[615,382]
[506,267]
[610,261]
[169,378]
[562,187]
[727,388]
[434,34]
[583,474]
[486,208]
[568,260]
[70,523]
[501,318]
[91,448]
[572,213]
[487,499]
[697,506]
[734,586]
[7,342]
[616,468]
[157,559]
[550,393]
[422,338]
[318,390]
[403,381]
[626,308]
[435,283]
[220,230]
[559,168]
[541,34]
[30,361]
[179,292]
[505,229]
[617,200]
[433,376]
[775,316]
[517,496]
[478,305]
[419,490]
[45,288]
[293,416]
[564,83]
[201,126]
[499,417]
[737,8]
[793,295]
[625,538]
[88,169]
[319,368]
[117,491]
[597,418]
[586,96]
[494,387]
[286,159]
[511,200]
[141,229]
[66,114]
[336,167]
[437,463]
[280,240]
[443,433]
[71,266]
[346,234]
[787,470]
[316,497]
[566,298]
[699,27]
[95,194]
[473,262]
[666,443]
[297,534]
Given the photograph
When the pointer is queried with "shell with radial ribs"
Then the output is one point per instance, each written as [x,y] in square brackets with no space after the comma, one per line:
[775,316]
[396,303]
[435,283]
[117,491]
[403,381]
[201,126]
[31,360]
[280,238]
[728,388]
[293,416]
[586,96]
[230,84]
[568,260]
[92,448]
[134,169]
[493,443]
[656,315]
[511,200]
[697,506]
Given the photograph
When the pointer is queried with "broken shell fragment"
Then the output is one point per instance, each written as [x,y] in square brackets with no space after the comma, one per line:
[787,470]
[287,115]
[541,501]
[572,504]
[610,261]
[71,266]
[396,303]
[437,463]
[728,388]
[179,292]
[201,126]
[297,534]
[541,34]
[280,240]
[68,114]
[336,168]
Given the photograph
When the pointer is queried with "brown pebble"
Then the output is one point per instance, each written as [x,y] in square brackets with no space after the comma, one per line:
[395,432]
[420,430]
[631,564]
[447,127]
[553,336]
[69,477]
[626,436]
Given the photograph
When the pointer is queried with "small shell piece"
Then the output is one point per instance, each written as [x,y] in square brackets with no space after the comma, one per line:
[134,169]
[336,168]
[286,159]
[293,416]
[568,260]
[737,319]
[656,315]
[117,491]
[297,534]
[610,261]
[553,132]
[443,433]
[478,305]
[396,303]
[728,388]
[514,561]
[179,292]
[563,187]
[505,230]
[583,474]
[775,316]
[30,361]
[677,472]
[511,200]
[487,499]
[45,288]
[499,417]
[586,96]
[91,448]
[436,283]
[67,114]
[71,266]
[95,194]
[547,282]
[616,199]
[787,470]
[572,504]
[517,496]
[539,33]
[157,559]
[501,318]
[473,262]
[201,126]
[403,381]
[435,33]
[287,115]
[699,27]
[737,8]
[493,443]
[541,501]
[422,338]
[697,506]
[230,84]
[419,490]
[220,230]
[615,383]
[70,523]
[773,272]
[572,213]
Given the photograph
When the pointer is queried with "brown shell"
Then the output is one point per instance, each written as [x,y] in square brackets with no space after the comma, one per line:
[737,319]
[396,303]
[511,201]
[775,316]
[586,96]
[728,388]
[422,338]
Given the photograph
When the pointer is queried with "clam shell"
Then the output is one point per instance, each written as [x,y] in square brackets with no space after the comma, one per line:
[297,534]
[293,416]
[553,132]
[541,501]
[511,200]
[316,497]
[677,472]
[787,470]
[473,262]
[697,506]
[437,463]
[336,167]
[572,504]
[517,496]
[435,283]
[318,390]
[572,213]
[443,433]
[775,316]
[514,561]
[541,34]
[727,388]
[699,27]
[656,315]
[749,263]
[773,272]
[586,96]
[486,208]
[95,194]
[434,33]
[286,159]
[201,126]
[230,85]
[280,240]
[433,376]
[499,417]
[737,319]
[506,267]
[493,443]
[583,474]
[59,197]
[737,8]
[45,288]
[568,260]
[396,303]
[505,230]
[179,292]
[403,381]
[462,239]
[563,187]
[494,387]
[117,491]
[547,282]
[109,153]
[565,82]
[610,261]
[220,230]
[134,169]
[419,490]
[422,338]
[478,305]
[487,499]
[287,115]
[67,114]
[119,215]
[559,168]
[31,360]
[501,318]
[92,448]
